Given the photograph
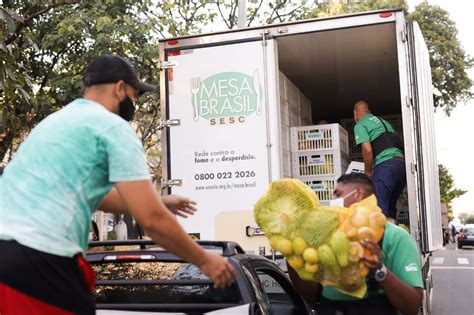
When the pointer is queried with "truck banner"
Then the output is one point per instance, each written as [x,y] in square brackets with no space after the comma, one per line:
[220,149]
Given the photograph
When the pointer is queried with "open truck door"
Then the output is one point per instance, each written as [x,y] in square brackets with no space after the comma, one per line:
[426,165]
[427,213]
[218,144]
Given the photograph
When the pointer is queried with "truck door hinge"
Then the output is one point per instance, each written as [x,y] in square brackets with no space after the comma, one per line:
[264,37]
[165,183]
[409,101]
[169,123]
[404,35]
[253,231]
[167,65]
[413,168]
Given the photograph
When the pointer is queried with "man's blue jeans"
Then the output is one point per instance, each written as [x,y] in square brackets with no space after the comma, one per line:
[389,180]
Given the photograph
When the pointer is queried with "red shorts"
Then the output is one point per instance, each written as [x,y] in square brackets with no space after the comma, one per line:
[34,282]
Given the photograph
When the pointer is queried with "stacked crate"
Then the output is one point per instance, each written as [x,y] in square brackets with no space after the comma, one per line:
[295,110]
[319,157]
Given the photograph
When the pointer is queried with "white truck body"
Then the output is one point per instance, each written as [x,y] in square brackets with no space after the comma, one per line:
[220,95]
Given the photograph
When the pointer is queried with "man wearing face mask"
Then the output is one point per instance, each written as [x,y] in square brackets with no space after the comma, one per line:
[395,280]
[80,158]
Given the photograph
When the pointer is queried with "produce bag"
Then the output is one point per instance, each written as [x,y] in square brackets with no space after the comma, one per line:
[320,243]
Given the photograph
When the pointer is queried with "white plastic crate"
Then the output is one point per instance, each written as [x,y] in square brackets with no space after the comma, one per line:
[284,114]
[286,163]
[356,167]
[318,163]
[306,122]
[285,138]
[305,108]
[282,85]
[294,117]
[292,95]
[324,187]
[319,137]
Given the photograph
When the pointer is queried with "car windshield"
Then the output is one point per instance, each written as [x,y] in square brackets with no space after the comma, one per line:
[468,231]
[162,293]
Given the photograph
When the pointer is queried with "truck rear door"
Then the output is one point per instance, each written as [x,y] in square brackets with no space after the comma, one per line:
[221,151]
[426,163]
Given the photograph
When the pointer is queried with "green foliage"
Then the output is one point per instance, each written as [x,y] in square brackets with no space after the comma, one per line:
[469,220]
[449,62]
[448,191]
[43,65]
[45,46]
[331,8]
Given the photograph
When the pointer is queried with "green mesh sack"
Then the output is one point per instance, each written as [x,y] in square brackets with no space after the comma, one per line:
[282,209]
[320,243]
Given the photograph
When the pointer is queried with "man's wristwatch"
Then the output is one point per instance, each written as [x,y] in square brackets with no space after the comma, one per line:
[380,274]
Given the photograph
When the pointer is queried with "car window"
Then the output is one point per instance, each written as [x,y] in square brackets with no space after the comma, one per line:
[468,231]
[163,293]
[280,294]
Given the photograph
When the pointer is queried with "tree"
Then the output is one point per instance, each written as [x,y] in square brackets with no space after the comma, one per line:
[449,62]
[469,220]
[448,191]
[47,47]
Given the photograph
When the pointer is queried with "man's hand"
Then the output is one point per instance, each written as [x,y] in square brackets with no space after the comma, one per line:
[375,261]
[405,298]
[150,212]
[218,270]
[179,205]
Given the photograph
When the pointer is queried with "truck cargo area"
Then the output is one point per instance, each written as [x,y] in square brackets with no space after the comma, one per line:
[336,68]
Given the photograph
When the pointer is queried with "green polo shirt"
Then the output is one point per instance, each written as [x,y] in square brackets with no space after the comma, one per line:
[62,172]
[368,129]
[401,257]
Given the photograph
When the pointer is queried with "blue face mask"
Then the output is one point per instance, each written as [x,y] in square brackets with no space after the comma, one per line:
[339,202]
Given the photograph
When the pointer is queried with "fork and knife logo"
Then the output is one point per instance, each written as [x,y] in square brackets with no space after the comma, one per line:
[233,83]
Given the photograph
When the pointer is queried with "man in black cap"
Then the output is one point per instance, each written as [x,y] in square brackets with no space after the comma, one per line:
[80,158]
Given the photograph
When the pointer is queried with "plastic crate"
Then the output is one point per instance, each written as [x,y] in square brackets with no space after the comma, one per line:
[318,163]
[282,85]
[294,117]
[324,187]
[319,137]
[292,95]
[306,122]
[286,163]
[355,167]
[285,138]
[305,108]
[284,114]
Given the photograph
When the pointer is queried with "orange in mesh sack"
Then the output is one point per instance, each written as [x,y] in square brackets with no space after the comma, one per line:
[320,243]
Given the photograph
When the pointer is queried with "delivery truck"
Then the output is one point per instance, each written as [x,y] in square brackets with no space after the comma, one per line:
[230,99]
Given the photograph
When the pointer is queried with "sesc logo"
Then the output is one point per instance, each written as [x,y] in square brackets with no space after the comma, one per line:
[226,97]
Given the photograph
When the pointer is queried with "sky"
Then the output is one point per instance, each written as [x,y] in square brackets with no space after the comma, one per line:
[455,148]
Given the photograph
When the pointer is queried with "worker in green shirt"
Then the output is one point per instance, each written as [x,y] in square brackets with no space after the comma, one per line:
[384,161]
[395,282]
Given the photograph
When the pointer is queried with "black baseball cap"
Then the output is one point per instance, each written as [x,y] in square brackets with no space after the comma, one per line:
[111,69]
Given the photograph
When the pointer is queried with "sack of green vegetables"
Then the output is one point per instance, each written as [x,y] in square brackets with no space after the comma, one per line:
[320,243]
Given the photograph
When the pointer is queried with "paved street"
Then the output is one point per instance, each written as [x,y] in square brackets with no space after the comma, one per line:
[453,278]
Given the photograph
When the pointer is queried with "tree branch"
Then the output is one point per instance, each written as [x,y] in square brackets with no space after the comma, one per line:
[21,24]
[255,13]
[222,15]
